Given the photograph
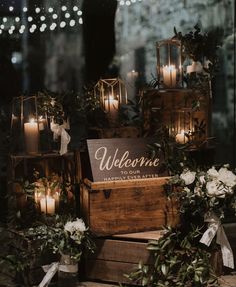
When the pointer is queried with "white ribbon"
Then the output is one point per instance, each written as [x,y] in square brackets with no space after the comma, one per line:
[215,228]
[52,269]
[60,130]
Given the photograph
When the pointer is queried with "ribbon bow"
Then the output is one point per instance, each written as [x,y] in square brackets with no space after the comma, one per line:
[215,228]
[60,130]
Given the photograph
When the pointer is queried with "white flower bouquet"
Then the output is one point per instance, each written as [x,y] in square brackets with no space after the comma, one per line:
[199,192]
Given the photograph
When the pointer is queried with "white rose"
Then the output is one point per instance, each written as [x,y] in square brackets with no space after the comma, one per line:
[227,177]
[188,176]
[214,188]
[212,172]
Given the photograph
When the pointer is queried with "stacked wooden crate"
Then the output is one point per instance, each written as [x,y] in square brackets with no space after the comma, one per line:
[113,209]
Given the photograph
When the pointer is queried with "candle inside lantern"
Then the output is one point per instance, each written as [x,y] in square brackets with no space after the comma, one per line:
[111,106]
[31,136]
[181,138]
[56,196]
[169,76]
[47,205]
[37,196]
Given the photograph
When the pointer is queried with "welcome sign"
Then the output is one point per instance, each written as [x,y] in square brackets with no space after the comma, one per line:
[123,159]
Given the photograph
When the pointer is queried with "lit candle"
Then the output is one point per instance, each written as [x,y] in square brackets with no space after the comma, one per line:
[31,136]
[37,196]
[56,196]
[181,137]
[42,123]
[47,205]
[169,76]
[111,106]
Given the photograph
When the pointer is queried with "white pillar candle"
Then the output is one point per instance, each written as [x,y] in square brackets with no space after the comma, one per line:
[181,137]
[31,133]
[37,196]
[169,76]
[111,107]
[47,205]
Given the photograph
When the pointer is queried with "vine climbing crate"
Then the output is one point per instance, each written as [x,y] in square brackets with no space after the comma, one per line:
[126,206]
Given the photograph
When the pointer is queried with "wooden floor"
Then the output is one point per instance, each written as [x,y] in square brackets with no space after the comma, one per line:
[225,281]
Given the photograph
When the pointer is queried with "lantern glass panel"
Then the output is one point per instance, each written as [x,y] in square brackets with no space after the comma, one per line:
[169,64]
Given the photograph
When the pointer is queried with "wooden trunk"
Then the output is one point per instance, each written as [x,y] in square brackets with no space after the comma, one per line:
[119,255]
[117,207]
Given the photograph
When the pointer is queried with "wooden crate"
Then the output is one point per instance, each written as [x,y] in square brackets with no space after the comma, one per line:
[119,255]
[117,207]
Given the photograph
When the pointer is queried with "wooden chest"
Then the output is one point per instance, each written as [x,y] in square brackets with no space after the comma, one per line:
[119,255]
[125,206]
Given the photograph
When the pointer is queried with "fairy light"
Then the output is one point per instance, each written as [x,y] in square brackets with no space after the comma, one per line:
[75,8]
[34,26]
[0,31]
[42,18]
[63,24]
[11,8]
[30,19]
[25,9]
[63,8]
[54,16]
[4,20]
[67,15]
[17,19]
[127,3]
[37,10]
[2,27]
[80,21]
[12,28]
[72,23]
[79,13]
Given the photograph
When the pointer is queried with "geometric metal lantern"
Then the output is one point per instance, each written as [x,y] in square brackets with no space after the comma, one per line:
[112,95]
[169,64]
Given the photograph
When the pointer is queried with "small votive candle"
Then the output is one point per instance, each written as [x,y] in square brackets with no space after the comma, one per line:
[181,138]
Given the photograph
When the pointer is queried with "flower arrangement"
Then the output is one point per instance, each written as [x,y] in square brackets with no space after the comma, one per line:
[62,236]
[199,192]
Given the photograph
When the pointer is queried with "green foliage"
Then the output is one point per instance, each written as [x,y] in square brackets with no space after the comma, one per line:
[201,46]
[178,260]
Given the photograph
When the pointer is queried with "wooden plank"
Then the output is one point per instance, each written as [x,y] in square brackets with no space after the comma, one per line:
[108,270]
[121,250]
[126,183]
[148,235]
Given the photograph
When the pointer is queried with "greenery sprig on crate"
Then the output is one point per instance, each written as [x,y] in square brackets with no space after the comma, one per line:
[178,260]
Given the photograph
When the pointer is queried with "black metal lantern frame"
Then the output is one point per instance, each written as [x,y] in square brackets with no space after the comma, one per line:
[169,64]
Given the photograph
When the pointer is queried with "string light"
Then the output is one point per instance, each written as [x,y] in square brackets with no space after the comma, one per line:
[79,13]
[54,16]
[11,8]
[25,9]
[30,19]
[75,8]
[63,24]
[80,21]
[4,20]
[42,18]
[50,9]
[37,10]
[63,8]
[17,19]
[67,15]
[72,23]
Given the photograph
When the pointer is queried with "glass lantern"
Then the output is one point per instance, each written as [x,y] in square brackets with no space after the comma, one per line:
[112,94]
[29,129]
[169,64]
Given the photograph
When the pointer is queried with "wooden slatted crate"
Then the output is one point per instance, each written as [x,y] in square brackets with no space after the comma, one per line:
[119,255]
[125,206]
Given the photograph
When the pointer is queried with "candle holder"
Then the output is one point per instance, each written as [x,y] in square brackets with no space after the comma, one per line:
[169,64]
[30,131]
[112,94]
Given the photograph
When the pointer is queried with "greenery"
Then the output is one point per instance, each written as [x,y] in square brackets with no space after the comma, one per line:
[202,191]
[61,235]
[201,46]
[178,260]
